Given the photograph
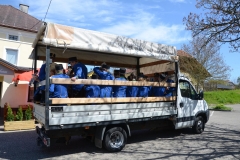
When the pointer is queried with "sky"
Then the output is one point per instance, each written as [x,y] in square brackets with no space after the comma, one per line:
[158,21]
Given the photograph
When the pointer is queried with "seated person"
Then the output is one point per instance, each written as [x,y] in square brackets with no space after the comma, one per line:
[157,91]
[104,74]
[168,90]
[132,91]
[119,91]
[143,91]
[92,90]
[58,90]
[79,71]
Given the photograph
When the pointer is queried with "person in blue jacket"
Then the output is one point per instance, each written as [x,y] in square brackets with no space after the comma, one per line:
[143,91]
[58,90]
[92,91]
[157,91]
[169,90]
[79,72]
[104,74]
[132,91]
[39,94]
[120,91]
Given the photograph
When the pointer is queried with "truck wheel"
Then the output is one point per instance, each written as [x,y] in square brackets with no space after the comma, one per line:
[115,139]
[199,125]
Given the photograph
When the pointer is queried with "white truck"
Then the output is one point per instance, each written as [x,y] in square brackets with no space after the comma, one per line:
[110,121]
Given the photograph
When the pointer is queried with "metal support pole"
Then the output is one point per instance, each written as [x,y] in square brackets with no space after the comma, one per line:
[47,88]
[35,63]
[138,66]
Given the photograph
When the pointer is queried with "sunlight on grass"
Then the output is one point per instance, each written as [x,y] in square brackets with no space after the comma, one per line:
[222,107]
[223,97]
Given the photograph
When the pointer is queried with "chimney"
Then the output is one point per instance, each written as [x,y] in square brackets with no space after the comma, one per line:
[23,8]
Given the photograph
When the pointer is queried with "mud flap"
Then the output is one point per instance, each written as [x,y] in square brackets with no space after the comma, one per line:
[99,136]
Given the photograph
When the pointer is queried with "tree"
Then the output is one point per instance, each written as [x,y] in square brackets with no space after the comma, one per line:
[208,56]
[220,22]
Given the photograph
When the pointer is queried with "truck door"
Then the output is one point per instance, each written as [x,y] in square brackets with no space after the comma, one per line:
[188,105]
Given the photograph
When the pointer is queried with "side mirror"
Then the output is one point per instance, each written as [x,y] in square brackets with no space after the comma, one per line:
[200,95]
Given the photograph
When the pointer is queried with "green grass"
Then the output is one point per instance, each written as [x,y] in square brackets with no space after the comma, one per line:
[223,97]
[222,107]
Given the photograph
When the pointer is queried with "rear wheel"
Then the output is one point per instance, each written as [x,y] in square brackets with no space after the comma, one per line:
[199,125]
[115,139]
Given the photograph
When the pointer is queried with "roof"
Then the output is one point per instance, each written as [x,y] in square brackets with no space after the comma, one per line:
[221,86]
[183,53]
[69,37]
[14,18]
[13,67]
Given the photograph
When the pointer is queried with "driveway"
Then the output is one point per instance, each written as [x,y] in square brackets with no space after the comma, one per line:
[220,140]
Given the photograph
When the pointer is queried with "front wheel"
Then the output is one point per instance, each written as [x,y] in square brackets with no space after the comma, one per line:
[199,125]
[115,139]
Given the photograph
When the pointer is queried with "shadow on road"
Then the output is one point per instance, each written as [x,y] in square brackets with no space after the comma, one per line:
[215,142]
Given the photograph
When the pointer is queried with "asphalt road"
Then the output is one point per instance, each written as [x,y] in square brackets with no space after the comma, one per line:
[220,140]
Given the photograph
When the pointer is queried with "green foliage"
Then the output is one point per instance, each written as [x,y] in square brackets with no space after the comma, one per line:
[222,107]
[19,115]
[222,97]
[28,113]
[10,115]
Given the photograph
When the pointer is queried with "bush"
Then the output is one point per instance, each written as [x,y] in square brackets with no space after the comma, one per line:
[222,107]
[10,115]
[19,115]
[28,113]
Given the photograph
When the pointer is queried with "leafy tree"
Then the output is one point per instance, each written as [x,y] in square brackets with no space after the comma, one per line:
[208,56]
[238,80]
[19,115]
[10,115]
[220,21]
[28,113]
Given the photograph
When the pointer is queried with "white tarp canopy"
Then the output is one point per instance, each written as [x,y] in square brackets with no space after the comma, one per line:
[76,38]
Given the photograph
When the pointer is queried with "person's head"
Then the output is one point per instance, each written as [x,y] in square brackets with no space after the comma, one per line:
[105,67]
[116,73]
[156,77]
[52,57]
[59,69]
[122,72]
[163,76]
[72,61]
[94,76]
[132,77]
[141,77]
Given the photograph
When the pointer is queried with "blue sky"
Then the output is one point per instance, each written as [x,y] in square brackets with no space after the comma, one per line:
[152,20]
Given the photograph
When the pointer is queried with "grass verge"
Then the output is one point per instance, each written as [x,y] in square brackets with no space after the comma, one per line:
[222,107]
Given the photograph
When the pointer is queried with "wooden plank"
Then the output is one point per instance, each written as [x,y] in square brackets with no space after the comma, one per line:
[109,100]
[110,82]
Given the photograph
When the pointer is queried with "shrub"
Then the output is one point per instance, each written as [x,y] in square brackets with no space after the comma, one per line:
[10,115]
[222,107]
[19,115]
[28,113]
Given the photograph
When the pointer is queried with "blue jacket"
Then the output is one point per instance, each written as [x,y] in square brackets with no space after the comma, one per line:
[92,91]
[58,90]
[158,91]
[143,91]
[42,72]
[80,72]
[132,91]
[169,91]
[105,91]
[119,91]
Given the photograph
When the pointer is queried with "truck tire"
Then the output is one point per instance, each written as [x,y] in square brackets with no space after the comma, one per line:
[115,139]
[199,125]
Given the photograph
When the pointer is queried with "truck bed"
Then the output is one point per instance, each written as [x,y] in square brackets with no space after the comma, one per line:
[92,113]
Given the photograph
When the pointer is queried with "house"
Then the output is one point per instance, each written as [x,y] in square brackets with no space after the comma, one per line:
[17,33]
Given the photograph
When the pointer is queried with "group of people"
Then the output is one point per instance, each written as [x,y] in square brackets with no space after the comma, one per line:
[79,71]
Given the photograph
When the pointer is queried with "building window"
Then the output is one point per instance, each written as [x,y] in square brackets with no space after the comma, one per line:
[12,37]
[11,56]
